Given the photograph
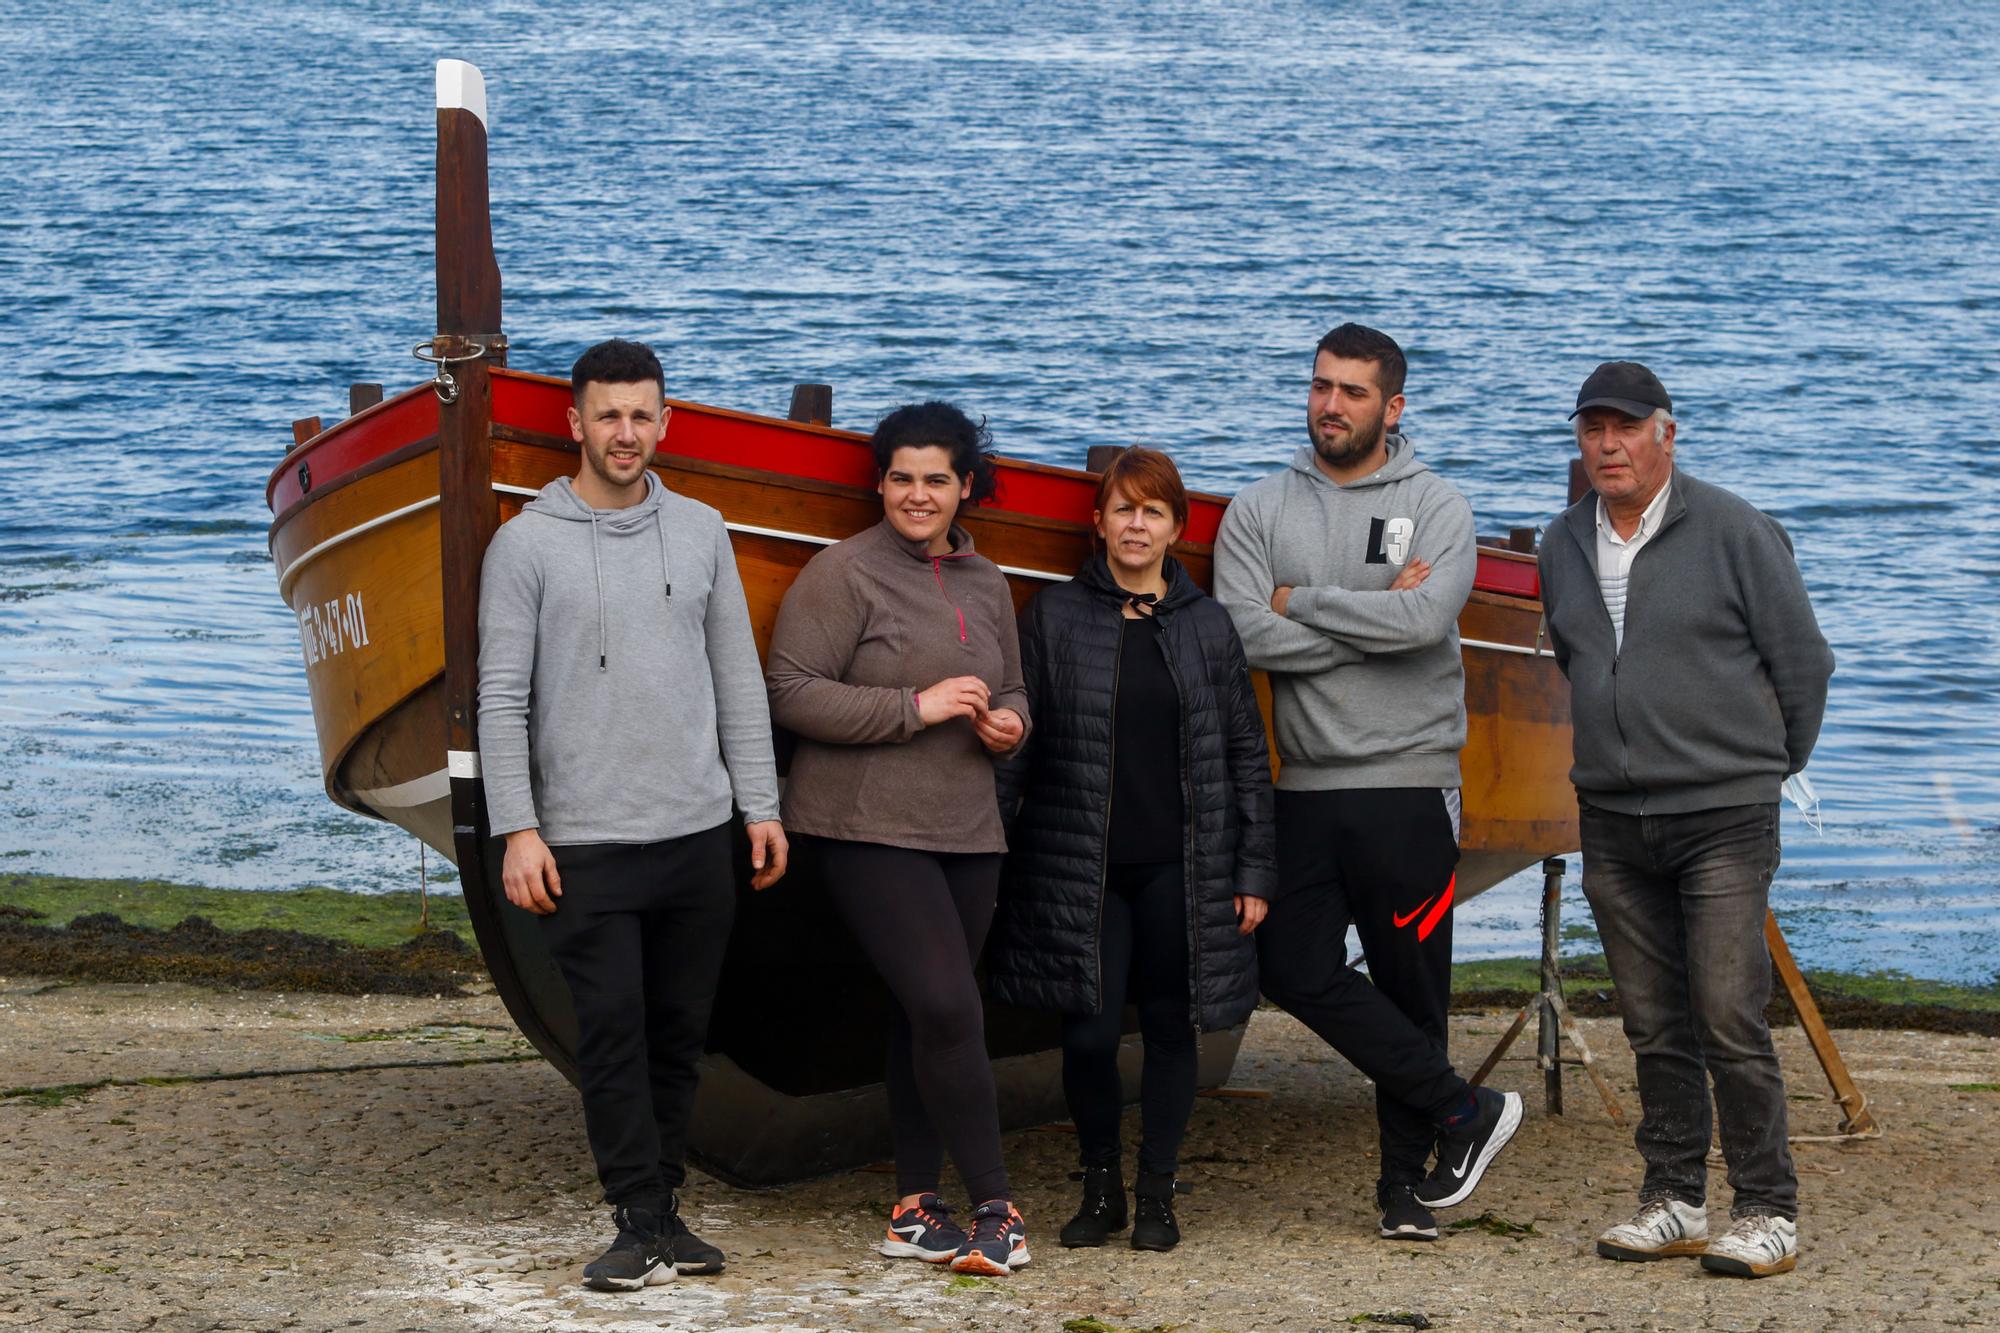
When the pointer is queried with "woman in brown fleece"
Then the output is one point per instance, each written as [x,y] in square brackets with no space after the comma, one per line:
[895,661]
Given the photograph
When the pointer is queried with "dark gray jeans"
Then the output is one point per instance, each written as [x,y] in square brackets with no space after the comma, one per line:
[1680,902]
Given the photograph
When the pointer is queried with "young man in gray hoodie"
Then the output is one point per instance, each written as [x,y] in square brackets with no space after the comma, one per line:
[1345,574]
[621,716]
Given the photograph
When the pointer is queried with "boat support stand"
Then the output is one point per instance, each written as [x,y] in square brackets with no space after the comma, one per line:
[1556,1021]
[1856,1119]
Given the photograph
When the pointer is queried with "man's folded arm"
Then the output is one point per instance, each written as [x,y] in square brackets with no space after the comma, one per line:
[1243,585]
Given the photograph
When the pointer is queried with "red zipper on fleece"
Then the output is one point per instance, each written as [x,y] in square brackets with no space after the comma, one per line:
[937,570]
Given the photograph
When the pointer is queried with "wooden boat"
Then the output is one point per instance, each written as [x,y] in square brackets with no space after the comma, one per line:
[381,521]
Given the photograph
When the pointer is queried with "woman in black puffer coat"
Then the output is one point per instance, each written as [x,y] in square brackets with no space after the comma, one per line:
[1141,845]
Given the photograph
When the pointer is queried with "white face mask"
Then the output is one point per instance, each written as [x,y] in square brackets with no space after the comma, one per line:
[1798,789]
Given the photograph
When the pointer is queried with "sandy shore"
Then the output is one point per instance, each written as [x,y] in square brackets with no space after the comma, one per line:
[403,1168]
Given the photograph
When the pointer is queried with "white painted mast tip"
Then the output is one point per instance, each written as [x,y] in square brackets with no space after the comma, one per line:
[460,86]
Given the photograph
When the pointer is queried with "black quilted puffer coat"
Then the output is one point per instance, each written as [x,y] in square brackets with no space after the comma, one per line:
[1043,952]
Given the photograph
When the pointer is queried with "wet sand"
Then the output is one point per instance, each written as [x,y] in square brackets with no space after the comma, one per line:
[320,1162]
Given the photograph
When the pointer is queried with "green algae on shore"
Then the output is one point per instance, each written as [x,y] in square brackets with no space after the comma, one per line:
[371,921]
[319,938]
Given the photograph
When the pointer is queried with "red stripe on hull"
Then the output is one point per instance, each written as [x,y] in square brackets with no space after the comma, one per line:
[540,404]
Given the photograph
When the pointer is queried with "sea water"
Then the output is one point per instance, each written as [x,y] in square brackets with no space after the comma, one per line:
[1092,224]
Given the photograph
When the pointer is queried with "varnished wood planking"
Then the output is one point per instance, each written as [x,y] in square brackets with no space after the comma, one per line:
[337,511]
[393,569]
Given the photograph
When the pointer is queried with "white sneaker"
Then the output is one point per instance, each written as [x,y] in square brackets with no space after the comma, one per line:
[1755,1246]
[1662,1229]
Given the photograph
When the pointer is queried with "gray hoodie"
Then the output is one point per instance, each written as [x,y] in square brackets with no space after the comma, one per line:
[620,696]
[1367,686]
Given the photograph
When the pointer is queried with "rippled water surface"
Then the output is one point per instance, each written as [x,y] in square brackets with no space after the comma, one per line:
[1093,224]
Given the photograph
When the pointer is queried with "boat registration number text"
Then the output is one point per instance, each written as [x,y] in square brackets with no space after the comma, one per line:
[332,627]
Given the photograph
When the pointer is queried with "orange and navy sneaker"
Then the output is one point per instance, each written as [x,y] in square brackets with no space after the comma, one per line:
[997,1243]
[924,1232]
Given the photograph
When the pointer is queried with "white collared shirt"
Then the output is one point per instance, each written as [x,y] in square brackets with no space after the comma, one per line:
[1615,555]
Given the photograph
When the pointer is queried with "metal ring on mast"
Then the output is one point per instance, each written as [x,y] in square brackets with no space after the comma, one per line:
[444,385]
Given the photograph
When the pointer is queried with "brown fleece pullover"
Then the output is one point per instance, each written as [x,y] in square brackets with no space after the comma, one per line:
[868,623]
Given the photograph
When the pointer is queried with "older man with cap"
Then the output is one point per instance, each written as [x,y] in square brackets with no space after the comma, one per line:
[1698,680]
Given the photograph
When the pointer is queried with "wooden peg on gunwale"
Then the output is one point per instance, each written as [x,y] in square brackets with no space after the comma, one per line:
[812,404]
[360,397]
[304,429]
[1579,480]
[1099,458]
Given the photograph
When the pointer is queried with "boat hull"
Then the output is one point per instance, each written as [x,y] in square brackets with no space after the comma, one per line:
[358,554]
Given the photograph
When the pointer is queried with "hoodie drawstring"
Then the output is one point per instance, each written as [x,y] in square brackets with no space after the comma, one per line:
[597,568]
[666,572]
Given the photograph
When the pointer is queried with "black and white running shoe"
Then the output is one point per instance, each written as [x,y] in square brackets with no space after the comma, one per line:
[636,1259]
[1403,1218]
[924,1232]
[1464,1153]
[687,1252]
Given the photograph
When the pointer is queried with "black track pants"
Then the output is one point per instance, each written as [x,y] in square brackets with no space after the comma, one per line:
[1145,960]
[639,934]
[1382,860]
[922,917]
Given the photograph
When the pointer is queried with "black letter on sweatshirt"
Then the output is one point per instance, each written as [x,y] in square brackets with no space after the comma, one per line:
[1376,555]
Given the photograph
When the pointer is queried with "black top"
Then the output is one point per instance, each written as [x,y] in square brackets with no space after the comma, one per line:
[1146,820]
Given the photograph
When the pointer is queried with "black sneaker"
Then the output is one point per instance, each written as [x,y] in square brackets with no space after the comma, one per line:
[687,1252]
[924,1232]
[635,1259]
[1102,1211]
[1154,1227]
[1403,1218]
[1465,1152]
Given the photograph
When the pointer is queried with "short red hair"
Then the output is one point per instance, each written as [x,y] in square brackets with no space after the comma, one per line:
[1145,474]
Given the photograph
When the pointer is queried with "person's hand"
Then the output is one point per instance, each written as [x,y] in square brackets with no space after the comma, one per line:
[768,852]
[960,696]
[1249,913]
[1410,575]
[528,873]
[999,730]
[1281,599]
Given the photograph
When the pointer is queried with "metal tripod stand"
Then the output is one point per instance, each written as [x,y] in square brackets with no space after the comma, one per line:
[1556,1021]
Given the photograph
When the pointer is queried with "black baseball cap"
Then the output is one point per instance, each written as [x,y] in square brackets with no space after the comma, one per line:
[1623,386]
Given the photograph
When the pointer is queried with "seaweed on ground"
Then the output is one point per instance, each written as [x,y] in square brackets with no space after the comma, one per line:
[1839,1010]
[104,947]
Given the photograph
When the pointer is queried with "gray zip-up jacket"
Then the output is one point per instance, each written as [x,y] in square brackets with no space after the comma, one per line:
[1718,692]
[620,696]
[1367,688]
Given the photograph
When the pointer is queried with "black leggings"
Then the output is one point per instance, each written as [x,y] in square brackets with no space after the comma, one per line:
[921,917]
[1144,947]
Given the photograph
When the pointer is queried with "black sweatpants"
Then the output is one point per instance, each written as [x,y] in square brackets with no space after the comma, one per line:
[922,917]
[1382,859]
[1143,949]
[639,934]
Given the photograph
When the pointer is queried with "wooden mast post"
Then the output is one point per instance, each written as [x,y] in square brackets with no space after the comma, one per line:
[468,343]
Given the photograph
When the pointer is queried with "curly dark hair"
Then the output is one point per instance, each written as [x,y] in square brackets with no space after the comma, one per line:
[940,424]
[616,361]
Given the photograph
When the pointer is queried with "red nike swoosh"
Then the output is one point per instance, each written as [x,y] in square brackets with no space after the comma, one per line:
[1402,921]
[1429,923]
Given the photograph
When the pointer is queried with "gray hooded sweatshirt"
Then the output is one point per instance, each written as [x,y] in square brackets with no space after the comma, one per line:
[1367,687]
[620,695]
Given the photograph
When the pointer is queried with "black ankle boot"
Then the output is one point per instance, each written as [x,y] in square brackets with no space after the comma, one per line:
[1155,1227]
[1103,1209]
